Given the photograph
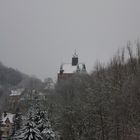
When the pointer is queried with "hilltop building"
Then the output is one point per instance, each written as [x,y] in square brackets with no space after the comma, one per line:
[69,69]
[21,98]
[15,96]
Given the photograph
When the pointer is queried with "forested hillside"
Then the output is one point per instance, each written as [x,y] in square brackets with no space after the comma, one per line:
[103,105]
[9,76]
[14,79]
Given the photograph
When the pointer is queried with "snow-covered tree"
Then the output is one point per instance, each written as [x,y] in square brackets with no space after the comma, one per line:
[36,125]
[48,134]
[41,120]
[43,124]
[29,132]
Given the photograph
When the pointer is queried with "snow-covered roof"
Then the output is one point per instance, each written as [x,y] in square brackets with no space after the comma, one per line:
[41,94]
[51,86]
[9,116]
[69,68]
[17,92]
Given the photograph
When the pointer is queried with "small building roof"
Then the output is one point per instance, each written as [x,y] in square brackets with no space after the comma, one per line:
[17,92]
[9,116]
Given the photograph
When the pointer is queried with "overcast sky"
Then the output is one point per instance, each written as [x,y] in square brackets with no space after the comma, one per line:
[36,36]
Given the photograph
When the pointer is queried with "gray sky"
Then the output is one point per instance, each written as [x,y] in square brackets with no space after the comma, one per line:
[36,36]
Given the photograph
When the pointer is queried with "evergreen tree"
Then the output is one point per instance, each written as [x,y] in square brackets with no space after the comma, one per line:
[48,134]
[37,127]
[29,132]
[41,120]
[43,125]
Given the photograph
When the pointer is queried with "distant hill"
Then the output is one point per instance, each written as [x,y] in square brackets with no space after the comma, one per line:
[9,76]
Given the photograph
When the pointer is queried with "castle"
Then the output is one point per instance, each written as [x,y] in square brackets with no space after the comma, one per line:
[69,69]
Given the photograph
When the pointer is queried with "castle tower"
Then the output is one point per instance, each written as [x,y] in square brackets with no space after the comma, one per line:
[75,59]
[68,70]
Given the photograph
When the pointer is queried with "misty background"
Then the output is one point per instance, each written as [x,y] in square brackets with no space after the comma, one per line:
[37,36]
